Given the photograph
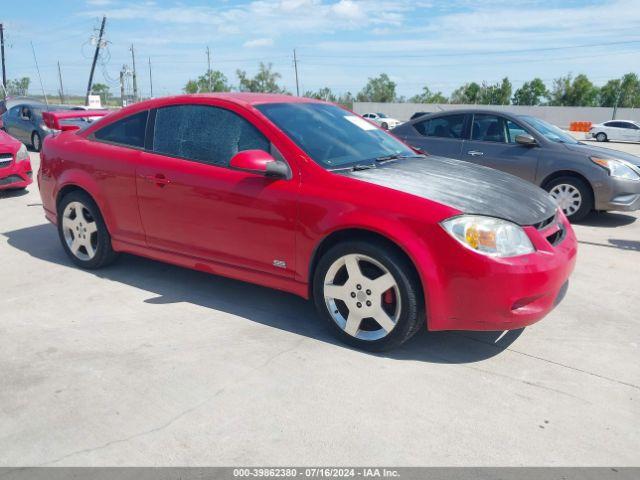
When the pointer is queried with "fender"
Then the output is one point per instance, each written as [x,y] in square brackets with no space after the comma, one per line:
[415,245]
[86,182]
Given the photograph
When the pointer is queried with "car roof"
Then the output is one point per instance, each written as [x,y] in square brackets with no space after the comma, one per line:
[240,98]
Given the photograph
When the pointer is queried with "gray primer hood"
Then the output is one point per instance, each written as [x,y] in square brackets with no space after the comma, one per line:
[467,187]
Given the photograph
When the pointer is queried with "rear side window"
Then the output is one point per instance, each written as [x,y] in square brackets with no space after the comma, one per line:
[128,131]
[451,126]
[204,134]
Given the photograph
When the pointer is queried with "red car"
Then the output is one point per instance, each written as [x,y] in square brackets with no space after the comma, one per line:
[15,165]
[306,197]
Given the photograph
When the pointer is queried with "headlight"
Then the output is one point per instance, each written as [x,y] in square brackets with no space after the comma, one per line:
[489,236]
[22,154]
[617,168]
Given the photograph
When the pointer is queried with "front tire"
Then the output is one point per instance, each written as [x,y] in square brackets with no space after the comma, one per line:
[573,196]
[368,294]
[601,137]
[36,141]
[83,233]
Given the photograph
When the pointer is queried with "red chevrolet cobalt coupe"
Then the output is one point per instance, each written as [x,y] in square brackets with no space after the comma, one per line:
[306,197]
[15,166]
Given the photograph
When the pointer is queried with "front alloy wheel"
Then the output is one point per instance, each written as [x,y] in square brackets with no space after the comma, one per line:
[567,197]
[369,294]
[362,297]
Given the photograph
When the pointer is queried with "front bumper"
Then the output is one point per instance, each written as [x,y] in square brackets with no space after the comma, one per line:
[618,194]
[16,175]
[484,293]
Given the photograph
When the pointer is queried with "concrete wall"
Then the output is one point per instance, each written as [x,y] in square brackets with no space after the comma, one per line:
[560,116]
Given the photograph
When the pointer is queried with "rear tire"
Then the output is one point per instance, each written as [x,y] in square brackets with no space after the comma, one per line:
[36,141]
[385,125]
[573,195]
[83,233]
[601,137]
[369,295]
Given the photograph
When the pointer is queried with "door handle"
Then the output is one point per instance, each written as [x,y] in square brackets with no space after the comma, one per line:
[475,153]
[159,179]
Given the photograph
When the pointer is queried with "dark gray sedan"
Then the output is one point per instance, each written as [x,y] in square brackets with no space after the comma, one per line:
[579,177]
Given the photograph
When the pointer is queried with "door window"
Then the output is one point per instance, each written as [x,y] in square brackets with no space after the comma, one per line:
[204,134]
[513,130]
[450,126]
[489,128]
[128,131]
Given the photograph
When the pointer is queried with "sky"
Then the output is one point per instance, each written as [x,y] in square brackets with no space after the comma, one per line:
[339,43]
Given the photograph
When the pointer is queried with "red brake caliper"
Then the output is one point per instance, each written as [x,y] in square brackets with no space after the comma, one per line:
[388,297]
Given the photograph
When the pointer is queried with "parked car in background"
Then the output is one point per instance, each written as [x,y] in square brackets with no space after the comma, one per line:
[383,120]
[338,210]
[24,122]
[419,114]
[616,130]
[579,177]
[15,166]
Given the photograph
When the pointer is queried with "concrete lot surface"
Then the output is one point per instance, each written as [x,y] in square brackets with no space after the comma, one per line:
[144,363]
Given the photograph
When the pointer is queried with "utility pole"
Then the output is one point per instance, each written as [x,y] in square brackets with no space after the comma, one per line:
[4,71]
[122,72]
[209,67]
[135,83]
[39,76]
[295,66]
[150,79]
[61,87]
[95,59]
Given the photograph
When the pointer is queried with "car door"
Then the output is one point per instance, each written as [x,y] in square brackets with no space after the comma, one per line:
[615,131]
[441,135]
[191,203]
[492,144]
[630,132]
[15,124]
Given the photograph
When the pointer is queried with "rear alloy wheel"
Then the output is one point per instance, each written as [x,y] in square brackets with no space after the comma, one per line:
[601,137]
[83,233]
[36,141]
[573,196]
[368,295]
[385,125]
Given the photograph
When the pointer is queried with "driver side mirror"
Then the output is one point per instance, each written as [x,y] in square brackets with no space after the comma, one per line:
[260,163]
[526,139]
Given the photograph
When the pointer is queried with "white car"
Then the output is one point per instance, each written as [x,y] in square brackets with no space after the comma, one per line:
[617,130]
[381,119]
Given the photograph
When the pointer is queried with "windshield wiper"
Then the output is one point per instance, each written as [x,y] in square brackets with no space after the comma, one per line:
[397,156]
[354,168]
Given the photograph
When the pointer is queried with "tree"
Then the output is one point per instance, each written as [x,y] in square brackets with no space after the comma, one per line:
[574,92]
[623,92]
[265,81]
[468,93]
[531,93]
[496,94]
[18,87]
[211,81]
[102,90]
[378,89]
[323,94]
[427,96]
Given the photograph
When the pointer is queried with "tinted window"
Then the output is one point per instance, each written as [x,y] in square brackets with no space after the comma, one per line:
[14,111]
[332,136]
[488,128]
[628,125]
[204,134]
[128,131]
[451,126]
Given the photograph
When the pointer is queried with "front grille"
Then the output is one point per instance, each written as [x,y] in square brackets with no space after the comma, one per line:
[5,163]
[5,156]
[10,179]
[546,222]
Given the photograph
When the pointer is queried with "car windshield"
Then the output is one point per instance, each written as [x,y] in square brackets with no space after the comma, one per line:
[331,136]
[549,131]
